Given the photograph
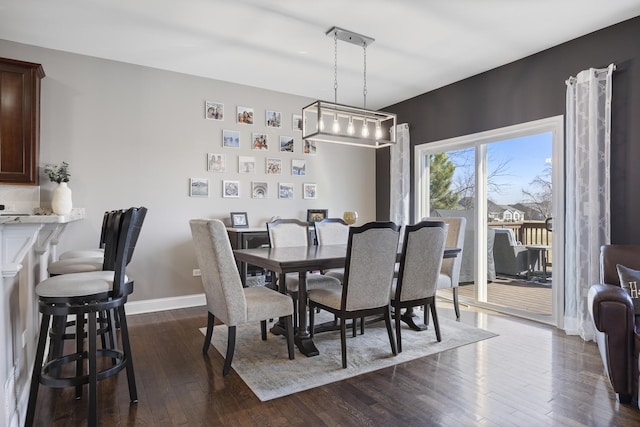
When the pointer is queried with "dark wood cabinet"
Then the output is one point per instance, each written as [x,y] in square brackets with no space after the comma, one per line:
[19,121]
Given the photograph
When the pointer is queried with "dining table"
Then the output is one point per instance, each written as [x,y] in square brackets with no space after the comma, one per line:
[302,260]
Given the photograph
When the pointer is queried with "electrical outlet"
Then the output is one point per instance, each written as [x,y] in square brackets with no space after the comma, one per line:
[196,272]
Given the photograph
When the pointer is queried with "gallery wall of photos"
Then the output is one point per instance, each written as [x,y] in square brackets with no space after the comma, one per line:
[270,154]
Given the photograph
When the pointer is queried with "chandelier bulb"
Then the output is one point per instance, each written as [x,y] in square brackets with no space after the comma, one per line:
[321,124]
[336,124]
[350,129]
[365,129]
[378,130]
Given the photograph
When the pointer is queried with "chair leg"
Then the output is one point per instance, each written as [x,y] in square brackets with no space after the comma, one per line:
[398,326]
[79,349]
[126,348]
[387,321]
[231,345]
[289,323]
[92,418]
[207,339]
[37,370]
[263,330]
[362,326]
[343,341]
[312,318]
[354,326]
[294,297]
[434,315]
[456,305]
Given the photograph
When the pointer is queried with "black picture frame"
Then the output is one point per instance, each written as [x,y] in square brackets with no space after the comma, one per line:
[317,214]
[239,220]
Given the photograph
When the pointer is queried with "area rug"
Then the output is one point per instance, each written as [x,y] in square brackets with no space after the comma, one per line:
[266,369]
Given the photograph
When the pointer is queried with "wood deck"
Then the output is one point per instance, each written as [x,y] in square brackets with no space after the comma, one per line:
[518,294]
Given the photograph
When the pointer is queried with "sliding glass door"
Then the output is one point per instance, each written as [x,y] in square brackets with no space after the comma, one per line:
[508,184]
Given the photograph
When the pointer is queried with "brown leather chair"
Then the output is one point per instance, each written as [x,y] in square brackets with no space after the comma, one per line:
[617,326]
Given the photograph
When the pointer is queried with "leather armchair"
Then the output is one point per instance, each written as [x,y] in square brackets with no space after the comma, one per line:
[617,326]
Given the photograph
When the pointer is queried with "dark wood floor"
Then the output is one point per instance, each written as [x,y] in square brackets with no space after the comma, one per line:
[530,375]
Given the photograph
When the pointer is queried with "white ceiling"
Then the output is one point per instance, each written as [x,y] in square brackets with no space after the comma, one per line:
[420,45]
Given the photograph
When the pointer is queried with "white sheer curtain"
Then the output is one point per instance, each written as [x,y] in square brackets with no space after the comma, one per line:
[588,218]
[400,178]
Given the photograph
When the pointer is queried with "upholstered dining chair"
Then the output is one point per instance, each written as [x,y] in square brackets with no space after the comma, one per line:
[293,232]
[332,231]
[420,263]
[227,300]
[450,271]
[369,268]
[89,253]
[85,295]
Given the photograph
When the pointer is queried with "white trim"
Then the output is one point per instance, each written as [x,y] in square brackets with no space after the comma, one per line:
[162,304]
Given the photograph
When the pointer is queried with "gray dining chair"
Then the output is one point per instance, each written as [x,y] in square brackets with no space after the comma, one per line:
[420,263]
[292,232]
[369,269]
[450,270]
[227,300]
[332,231]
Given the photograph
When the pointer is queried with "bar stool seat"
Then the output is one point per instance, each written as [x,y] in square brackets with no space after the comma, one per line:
[75,265]
[82,253]
[77,284]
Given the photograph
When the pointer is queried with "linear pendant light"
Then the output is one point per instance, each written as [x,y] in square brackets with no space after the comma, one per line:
[331,122]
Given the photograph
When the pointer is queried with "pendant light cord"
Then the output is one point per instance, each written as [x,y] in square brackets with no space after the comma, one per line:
[364,91]
[335,68]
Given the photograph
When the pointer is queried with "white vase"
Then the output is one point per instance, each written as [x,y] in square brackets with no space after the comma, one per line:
[61,203]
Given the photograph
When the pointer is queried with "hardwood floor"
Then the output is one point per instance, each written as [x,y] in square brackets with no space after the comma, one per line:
[529,375]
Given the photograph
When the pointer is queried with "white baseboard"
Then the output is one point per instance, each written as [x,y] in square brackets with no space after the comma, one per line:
[161,304]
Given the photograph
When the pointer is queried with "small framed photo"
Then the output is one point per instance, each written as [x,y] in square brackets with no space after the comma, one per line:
[298,167]
[309,191]
[317,214]
[260,141]
[296,121]
[198,187]
[245,115]
[246,164]
[230,188]
[285,190]
[259,190]
[274,166]
[273,119]
[309,147]
[231,138]
[216,162]
[286,144]
[213,110]
[239,220]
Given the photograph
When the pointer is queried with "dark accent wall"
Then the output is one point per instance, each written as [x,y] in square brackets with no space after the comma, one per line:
[534,88]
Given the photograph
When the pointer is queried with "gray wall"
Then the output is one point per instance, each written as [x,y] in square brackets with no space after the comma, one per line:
[134,136]
[534,88]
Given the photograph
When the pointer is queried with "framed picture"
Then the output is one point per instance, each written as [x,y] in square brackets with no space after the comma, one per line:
[245,115]
[273,119]
[213,110]
[309,147]
[298,167]
[230,188]
[296,121]
[198,187]
[231,138]
[216,162]
[274,166]
[309,191]
[285,190]
[246,164]
[286,144]
[239,220]
[259,190]
[259,141]
[317,214]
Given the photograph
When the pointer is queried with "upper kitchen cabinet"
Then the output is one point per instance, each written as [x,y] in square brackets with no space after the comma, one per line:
[19,121]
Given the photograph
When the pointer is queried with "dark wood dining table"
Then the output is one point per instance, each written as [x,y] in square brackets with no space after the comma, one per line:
[301,260]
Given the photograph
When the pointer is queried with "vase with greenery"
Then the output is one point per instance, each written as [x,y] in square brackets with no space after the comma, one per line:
[61,203]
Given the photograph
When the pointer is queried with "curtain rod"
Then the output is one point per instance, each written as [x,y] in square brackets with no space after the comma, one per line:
[597,71]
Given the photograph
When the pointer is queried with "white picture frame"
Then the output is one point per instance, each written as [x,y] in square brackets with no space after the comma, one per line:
[214,110]
[198,187]
[259,190]
[230,189]
[285,190]
[298,167]
[246,164]
[273,119]
[216,162]
[309,190]
[273,166]
[286,144]
[244,115]
[231,138]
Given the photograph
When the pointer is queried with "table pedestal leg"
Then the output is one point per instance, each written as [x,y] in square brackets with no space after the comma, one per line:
[302,338]
[412,320]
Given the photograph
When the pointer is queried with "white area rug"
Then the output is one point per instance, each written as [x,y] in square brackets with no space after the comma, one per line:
[266,369]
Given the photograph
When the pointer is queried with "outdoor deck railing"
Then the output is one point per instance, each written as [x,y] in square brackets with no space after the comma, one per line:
[527,232]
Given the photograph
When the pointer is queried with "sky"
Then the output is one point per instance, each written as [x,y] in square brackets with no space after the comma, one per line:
[522,159]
